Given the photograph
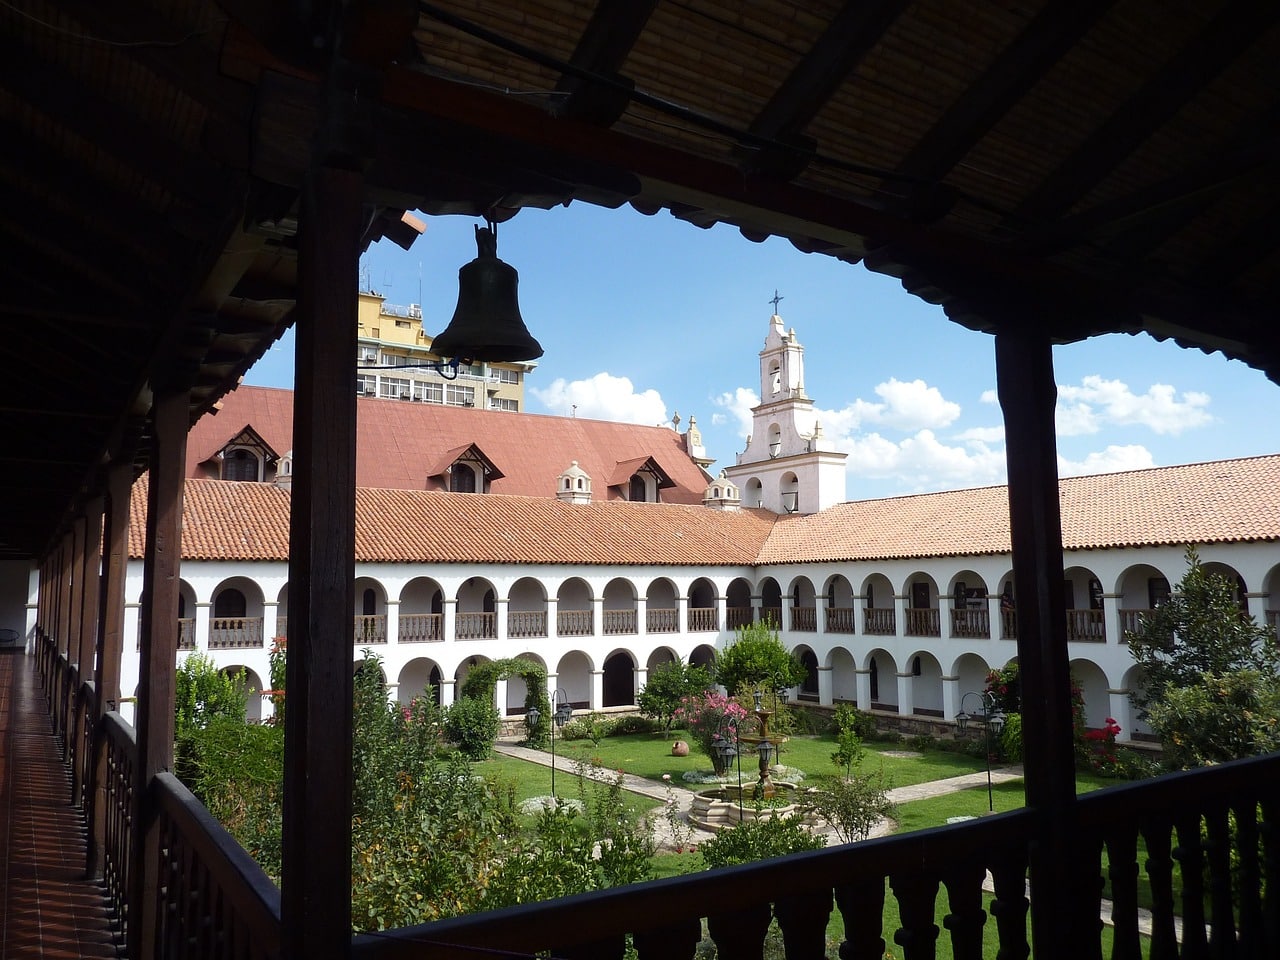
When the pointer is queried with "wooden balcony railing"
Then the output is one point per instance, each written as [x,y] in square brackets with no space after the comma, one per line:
[968,624]
[1086,626]
[235,633]
[574,623]
[703,620]
[526,623]
[475,626]
[1273,619]
[880,621]
[841,620]
[924,622]
[369,629]
[1131,621]
[118,747]
[736,617]
[804,619]
[661,620]
[771,616]
[187,633]
[620,621]
[420,628]
[1008,625]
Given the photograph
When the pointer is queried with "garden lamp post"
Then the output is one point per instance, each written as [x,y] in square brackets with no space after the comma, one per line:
[562,710]
[992,721]
[727,749]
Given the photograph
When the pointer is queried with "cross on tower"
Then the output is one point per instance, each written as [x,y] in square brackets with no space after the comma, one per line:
[776,299]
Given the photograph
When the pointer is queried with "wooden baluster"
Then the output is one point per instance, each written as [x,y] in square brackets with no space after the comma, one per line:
[1269,834]
[1088,865]
[679,942]
[862,909]
[967,918]
[916,896]
[740,935]
[610,948]
[1164,939]
[1190,856]
[1122,848]
[1251,930]
[803,921]
[1010,905]
[1222,933]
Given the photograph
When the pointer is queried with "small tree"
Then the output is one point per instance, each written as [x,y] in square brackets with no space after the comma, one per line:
[1211,673]
[668,684]
[203,692]
[756,657]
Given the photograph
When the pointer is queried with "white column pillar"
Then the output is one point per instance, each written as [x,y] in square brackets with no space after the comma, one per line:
[1111,618]
[500,618]
[820,618]
[862,683]
[945,620]
[951,695]
[597,617]
[203,609]
[722,613]
[597,690]
[641,678]
[825,696]
[900,616]
[553,627]
[270,619]
[449,621]
[906,702]
[642,616]
[995,622]
[447,691]
[500,693]
[860,613]
[682,615]
[1122,712]
[393,622]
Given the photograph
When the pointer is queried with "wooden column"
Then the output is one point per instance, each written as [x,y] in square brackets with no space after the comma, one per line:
[316,870]
[1028,394]
[110,644]
[89,572]
[159,618]
[65,564]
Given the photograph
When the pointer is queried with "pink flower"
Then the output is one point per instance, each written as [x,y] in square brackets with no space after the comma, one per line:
[666,777]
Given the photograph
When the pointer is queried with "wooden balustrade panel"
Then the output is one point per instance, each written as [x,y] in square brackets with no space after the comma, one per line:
[369,629]
[1086,626]
[736,617]
[121,749]
[475,626]
[841,620]
[1008,625]
[1131,621]
[971,623]
[703,619]
[926,622]
[526,623]
[235,633]
[771,616]
[881,621]
[574,623]
[662,620]
[421,628]
[804,618]
[620,621]
[187,633]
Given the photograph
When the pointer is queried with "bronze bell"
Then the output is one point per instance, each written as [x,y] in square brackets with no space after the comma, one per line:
[486,324]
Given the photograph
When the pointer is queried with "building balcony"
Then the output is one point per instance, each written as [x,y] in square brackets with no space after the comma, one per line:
[924,622]
[233,633]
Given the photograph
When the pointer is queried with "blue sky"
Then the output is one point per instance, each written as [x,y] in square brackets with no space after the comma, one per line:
[643,317]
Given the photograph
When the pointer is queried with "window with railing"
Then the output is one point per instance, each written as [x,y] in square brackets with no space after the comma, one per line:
[661,620]
[574,623]
[880,621]
[475,626]
[526,623]
[421,627]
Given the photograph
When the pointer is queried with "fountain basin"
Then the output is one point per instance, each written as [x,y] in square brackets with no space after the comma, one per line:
[714,810]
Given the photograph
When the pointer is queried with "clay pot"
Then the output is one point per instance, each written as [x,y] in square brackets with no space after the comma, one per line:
[679,749]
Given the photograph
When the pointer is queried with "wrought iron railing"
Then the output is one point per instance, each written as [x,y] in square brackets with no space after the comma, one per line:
[234,633]
[574,623]
[420,627]
[703,620]
[526,623]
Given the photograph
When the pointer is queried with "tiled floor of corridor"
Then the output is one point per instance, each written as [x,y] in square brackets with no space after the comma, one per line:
[50,909]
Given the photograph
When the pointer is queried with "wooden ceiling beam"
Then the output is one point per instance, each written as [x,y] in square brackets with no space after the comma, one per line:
[1254,242]
[1184,76]
[608,39]
[92,277]
[848,38]
[1044,41]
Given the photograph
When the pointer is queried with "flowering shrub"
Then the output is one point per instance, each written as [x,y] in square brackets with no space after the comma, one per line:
[710,716]
[1102,743]
[1005,688]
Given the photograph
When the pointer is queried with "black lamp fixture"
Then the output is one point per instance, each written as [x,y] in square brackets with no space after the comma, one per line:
[486,324]
[561,712]
[992,720]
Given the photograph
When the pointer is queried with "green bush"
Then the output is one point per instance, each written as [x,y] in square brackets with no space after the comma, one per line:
[631,724]
[755,658]
[853,805]
[203,692]
[760,839]
[593,727]
[668,684]
[473,725]
[1011,738]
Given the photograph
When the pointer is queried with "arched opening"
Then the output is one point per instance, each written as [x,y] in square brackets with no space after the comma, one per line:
[619,680]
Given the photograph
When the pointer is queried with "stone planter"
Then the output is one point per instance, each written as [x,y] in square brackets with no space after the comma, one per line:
[715,810]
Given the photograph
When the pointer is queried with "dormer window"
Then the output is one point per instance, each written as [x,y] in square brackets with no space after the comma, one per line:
[241,464]
[462,478]
[463,469]
[636,489]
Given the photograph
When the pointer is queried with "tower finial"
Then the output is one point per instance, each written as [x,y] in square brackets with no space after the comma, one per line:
[776,300]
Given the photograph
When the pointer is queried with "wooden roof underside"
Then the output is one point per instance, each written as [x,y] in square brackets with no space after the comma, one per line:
[1073,167]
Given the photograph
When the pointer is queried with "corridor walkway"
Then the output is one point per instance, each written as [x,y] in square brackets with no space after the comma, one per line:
[50,910]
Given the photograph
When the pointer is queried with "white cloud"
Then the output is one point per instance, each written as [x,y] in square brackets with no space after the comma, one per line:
[737,406]
[1111,460]
[924,462]
[989,396]
[603,397]
[982,434]
[1097,402]
[906,405]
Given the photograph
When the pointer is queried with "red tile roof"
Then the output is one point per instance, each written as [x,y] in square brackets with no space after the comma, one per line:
[1230,500]
[399,443]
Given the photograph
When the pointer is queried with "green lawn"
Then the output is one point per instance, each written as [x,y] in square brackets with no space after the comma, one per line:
[534,780]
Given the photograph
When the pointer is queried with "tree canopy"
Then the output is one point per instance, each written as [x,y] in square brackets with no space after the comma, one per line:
[756,657]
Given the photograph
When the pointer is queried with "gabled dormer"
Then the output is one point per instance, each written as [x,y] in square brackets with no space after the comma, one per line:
[464,469]
[246,457]
[640,480]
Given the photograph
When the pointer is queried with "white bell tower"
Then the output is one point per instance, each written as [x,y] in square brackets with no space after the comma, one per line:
[788,465]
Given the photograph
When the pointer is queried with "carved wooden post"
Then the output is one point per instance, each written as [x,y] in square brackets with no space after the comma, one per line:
[91,574]
[316,870]
[861,905]
[159,618]
[1028,395]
